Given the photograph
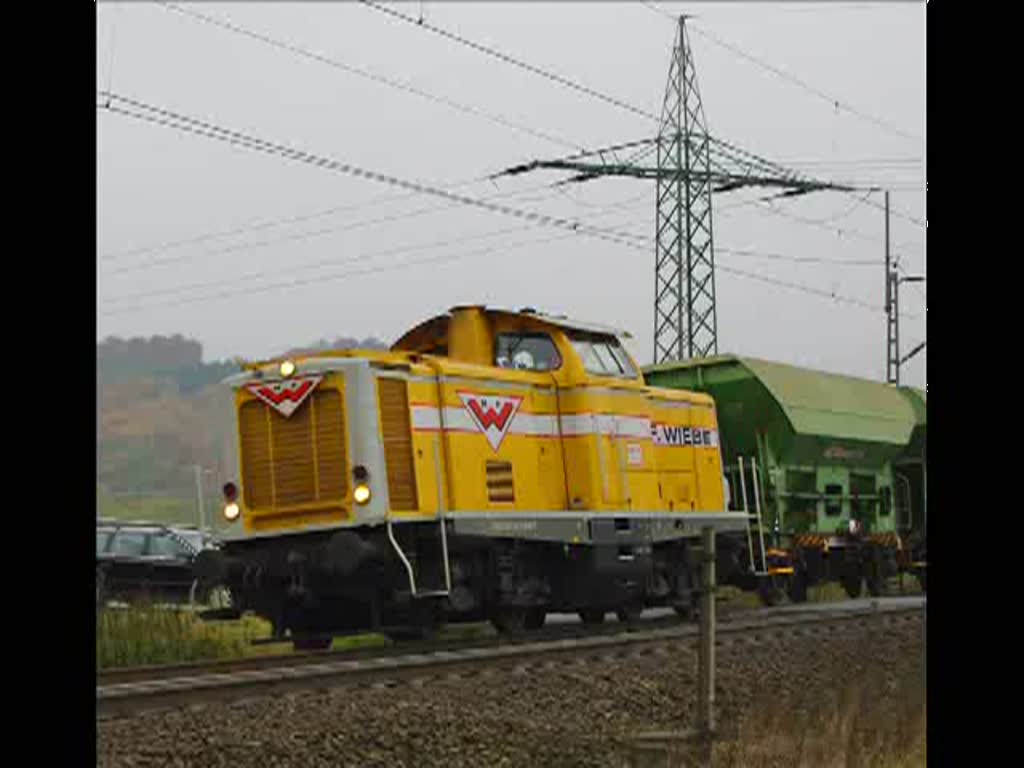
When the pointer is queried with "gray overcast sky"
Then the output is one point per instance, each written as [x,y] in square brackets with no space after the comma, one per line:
[356,277]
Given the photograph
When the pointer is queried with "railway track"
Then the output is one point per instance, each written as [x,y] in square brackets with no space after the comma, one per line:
[404,648]
[131,691]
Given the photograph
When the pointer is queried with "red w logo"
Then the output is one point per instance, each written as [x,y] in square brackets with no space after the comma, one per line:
[295,394]
[491,417]
[285,396]
[491,414]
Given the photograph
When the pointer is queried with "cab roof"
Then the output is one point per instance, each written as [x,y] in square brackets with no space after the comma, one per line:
[438,322]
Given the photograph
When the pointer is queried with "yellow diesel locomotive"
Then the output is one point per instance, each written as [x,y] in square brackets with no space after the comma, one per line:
[492,465]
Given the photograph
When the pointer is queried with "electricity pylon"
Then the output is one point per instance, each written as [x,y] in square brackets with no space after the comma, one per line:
[690,164]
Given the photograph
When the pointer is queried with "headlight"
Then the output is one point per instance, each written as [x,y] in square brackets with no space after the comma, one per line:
[361,493]
[231,512]
[287,368]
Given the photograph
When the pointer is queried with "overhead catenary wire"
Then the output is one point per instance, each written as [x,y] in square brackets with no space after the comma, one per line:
[616,206]
[832,100]
[139,110]
[366,74]
[312,234]
[554,77]
[841,231]
[509,59]
[504,248]
[258,226]
[330,277]
[620,103]
[308,266]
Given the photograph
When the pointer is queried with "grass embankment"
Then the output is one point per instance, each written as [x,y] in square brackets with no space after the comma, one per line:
[853,731]
[143,635]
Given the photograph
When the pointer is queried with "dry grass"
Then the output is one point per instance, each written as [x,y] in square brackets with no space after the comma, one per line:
[865,726]
[856,731]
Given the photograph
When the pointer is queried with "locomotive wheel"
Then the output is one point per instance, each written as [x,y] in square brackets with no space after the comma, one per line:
[592,616]
[306,641]
[534,618]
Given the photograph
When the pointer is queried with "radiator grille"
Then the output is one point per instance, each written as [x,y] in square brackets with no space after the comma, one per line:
[499,482]
[396,431]
[296,460]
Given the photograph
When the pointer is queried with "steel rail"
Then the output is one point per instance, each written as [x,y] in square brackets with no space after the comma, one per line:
[302,673]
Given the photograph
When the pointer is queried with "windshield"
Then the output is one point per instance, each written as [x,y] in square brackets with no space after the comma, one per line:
[526,352]
[603,356]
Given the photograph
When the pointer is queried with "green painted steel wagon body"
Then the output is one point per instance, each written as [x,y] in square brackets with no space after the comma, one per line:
[811,456]
[911,475]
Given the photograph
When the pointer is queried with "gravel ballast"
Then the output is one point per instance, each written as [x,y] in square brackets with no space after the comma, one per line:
[565,714]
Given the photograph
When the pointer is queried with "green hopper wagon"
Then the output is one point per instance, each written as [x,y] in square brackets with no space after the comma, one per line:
[814,459]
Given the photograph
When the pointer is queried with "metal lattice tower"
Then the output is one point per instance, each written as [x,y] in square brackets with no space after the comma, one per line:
[690,164]
[685,321]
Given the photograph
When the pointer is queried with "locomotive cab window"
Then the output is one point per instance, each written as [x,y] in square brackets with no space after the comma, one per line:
[833,500]
[526,352]
[603,356]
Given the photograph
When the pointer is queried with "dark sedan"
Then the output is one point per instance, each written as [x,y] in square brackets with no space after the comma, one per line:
[146,562]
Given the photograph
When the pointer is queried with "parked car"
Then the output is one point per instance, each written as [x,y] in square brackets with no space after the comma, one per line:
[147,561]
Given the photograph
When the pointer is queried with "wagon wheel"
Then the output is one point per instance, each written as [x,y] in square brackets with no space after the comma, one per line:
[769,591]
[509,619]
[874,570]
[852,580]
[688,608]
[798,586]
[630,612]
[535,618]
[685,611]
[592,616]
[875,582]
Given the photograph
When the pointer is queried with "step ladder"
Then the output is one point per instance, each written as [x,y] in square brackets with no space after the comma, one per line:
[740,470]
[414,590]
